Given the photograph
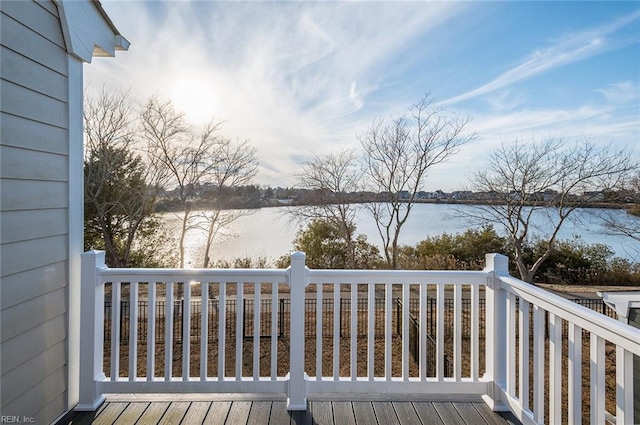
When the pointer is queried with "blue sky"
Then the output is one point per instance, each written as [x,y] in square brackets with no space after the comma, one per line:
[298,78]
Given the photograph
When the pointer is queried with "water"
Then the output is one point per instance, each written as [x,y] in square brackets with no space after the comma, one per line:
[266,233]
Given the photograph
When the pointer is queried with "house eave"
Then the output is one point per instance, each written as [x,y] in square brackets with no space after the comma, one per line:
[88,31]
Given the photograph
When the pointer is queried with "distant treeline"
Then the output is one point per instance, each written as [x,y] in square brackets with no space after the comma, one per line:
[255,196]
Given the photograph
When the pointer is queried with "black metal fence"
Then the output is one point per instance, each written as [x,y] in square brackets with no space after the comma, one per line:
[596,304]
[283,312]
[248,322]
[448,315]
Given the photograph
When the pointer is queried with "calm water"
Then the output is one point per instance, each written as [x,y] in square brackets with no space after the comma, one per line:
[266,233]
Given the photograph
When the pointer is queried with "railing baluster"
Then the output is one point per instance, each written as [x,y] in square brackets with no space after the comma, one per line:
[574,377]
[511,344]
[319,300]
[422,334]
[440,332]
[222,330]
[133,330]
[388,329]
[523,362]
[624,387]
[354,331]
[337,312]
[597,360]
[274,330]
[406,296]
[538,364]
[475,332]
[151,332]
[371,328]
[186,330]
[204,330]
[555,369]
[457,332]
[115,330]
[239,328]
[257,301]
[168,333]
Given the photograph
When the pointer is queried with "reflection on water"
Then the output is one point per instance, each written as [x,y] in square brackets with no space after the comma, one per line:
[265,233]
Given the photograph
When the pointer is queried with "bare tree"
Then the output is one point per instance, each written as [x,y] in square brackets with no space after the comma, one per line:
[398,154]
[120,190]
[549,180]
[237,164]
[627,225]
[190,162]
[331,181]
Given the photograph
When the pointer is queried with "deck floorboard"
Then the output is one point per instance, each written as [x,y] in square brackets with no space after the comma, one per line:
[154,412]
[259,413]
[321,412]
[218,412]
[131,414]
[175,413]
[197,412]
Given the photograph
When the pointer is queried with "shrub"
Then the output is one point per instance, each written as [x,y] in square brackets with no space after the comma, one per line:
[325,248]
[465,251]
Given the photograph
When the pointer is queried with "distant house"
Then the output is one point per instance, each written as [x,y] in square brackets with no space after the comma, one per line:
[594,196]
[462,195]
[43,45]
[546,196]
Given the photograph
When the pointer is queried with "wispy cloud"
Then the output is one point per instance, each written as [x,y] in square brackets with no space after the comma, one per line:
[505,100]
[568,49]
[622,92]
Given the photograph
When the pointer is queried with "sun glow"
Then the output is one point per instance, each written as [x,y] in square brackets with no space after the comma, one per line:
[195,97]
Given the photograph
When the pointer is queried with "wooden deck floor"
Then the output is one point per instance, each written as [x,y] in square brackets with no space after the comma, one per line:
[241,410]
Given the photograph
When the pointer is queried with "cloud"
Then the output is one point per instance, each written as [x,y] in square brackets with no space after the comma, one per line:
[622,93]
[505,100]
[568,49]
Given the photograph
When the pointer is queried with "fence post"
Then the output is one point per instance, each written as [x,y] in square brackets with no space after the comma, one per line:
[91,332]
[281,316]
[340,313]
[297,397]
[496,331]
[399,316]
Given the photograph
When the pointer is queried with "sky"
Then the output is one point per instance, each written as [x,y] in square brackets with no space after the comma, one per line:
[305,78]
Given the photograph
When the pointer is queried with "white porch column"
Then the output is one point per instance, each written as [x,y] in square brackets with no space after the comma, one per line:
[496,331]
[297,389]
[91,332]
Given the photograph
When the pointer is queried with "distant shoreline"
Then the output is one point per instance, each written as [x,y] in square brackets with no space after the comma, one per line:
[202,205]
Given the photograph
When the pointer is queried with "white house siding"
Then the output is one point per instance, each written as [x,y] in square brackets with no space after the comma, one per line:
[34,214]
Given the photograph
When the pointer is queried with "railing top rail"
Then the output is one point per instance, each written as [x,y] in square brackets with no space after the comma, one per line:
[606,327]
[181,275]
[453,277]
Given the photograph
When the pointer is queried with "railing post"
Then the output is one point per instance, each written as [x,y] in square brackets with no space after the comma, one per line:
[297,396]
[496,331]
[91,332]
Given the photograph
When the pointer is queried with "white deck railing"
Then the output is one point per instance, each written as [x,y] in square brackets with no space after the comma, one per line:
[364,348]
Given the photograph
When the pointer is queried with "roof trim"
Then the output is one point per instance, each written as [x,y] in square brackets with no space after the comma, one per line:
[88,31]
